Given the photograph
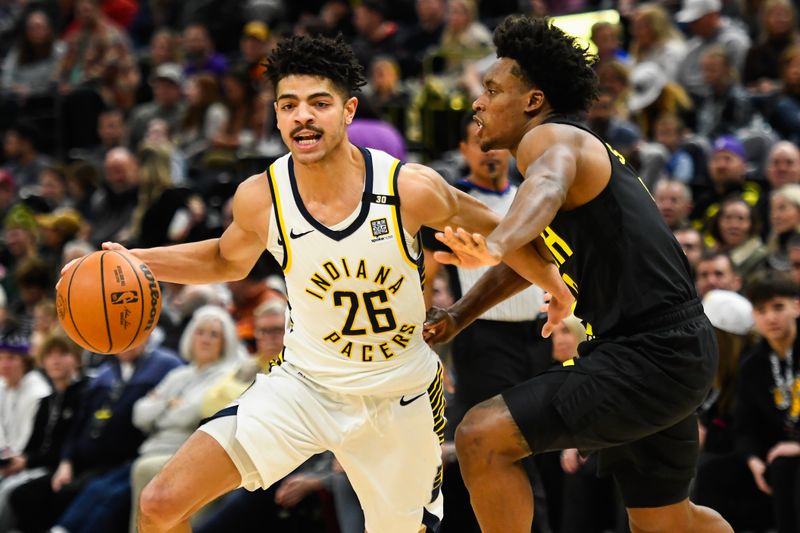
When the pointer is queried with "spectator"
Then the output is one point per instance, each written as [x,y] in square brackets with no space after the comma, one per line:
[241,129]
[606,37]
[164,48]
[204,117]
[253,48]
[386,93]
[248,294]
[728,169]
[20,239]
[737,232]
[654,38]
[83,178]
[21,388]
[784,215]
[715,271]
[23,160]
[464,39]
[112,131]
[57,229]
[375,34]
[102,437]
[670,132]
[692,245]
[27,71]
[725,107]
[654,95]
[777,31]
[199,53]
[733,496]
[51,187]
[168,415]
[420,38]
[167,83]
[708,28]
[784,115]
[674,201]
[767,403]
[782,168]
[614,77]
[34,284]
[61,362]
[178,310]
[98,55]
[113,203]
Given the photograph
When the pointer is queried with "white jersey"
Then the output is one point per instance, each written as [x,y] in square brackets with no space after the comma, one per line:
[523,305]
[354,289]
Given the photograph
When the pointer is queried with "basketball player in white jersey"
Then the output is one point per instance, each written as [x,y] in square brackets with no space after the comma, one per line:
[356,376]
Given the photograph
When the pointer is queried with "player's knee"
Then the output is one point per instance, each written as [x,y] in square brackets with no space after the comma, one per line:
[157,505]
[477,436]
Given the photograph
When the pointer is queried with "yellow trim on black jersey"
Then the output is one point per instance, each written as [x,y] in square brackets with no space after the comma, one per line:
[283,237]
[398,226]
[436,397]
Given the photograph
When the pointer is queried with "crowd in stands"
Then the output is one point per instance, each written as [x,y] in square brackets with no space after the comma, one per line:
[134,121]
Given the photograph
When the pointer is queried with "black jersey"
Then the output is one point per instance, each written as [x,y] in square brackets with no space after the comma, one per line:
[617,254]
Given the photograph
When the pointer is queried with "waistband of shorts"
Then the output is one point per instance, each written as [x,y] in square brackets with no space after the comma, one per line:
[659,321]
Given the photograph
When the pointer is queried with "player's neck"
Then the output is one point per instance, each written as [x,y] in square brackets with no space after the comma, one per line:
[326,178]
[536,120]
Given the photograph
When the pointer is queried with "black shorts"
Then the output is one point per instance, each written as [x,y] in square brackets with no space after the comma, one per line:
[631,398]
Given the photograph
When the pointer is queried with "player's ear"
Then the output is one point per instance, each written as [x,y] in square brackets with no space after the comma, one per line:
[535,100]
[350,106]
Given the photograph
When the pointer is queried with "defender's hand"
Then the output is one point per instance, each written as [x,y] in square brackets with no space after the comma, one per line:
[439,326]
[557,309]
[469,250]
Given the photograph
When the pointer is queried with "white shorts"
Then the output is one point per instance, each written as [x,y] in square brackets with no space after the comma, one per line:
[390,448]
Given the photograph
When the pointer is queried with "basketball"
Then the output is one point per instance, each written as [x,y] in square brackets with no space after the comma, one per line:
[108,301]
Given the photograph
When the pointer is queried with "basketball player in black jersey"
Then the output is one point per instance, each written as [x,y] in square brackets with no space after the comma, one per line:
[632,394]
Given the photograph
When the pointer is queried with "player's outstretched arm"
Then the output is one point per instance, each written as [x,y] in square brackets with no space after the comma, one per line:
[428,200]
[229,257]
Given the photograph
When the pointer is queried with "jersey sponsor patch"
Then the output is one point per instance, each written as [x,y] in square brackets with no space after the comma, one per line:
[380,229]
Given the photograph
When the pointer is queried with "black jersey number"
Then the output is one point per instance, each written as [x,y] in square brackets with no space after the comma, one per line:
[380,318]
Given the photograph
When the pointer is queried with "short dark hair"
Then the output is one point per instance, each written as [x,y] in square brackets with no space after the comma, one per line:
[551,60]
[711,255]
[317,56]
[770,284]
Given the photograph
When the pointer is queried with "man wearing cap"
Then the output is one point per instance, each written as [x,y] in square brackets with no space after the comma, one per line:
[253,47]
[708,28]
[727,169]
[21,388]
[167,83]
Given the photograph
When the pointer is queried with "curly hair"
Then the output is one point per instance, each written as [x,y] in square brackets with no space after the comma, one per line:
[317,56]
[549,59]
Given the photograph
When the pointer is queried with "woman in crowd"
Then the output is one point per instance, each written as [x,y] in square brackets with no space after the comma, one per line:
[28,68]
[655,38]
[204,117]
[778,31]
[737,232]
[784,215]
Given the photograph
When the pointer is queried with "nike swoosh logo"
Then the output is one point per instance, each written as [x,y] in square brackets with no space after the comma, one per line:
[294,235]
[404,402]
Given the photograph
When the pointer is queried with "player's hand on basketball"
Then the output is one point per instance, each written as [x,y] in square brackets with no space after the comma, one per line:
[468,250]
[62,476]
[571,460]
[439,326]
[758,468]
[783,449]
[557,309]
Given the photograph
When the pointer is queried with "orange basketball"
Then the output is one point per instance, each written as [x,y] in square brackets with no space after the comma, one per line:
[108,301]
